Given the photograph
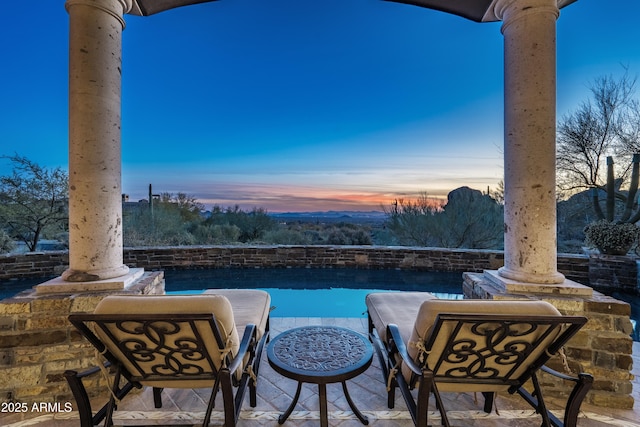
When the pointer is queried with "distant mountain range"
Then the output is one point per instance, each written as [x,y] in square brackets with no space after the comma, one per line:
[332,216]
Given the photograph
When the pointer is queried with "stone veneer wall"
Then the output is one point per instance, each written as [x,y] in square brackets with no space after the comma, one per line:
[611,272]
[33,264]
[48,264]
[38,344]
[603,347]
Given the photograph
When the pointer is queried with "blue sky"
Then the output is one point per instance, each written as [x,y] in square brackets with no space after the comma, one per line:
[294,105]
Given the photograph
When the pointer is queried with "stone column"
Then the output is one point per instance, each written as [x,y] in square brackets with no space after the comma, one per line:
[95,204]
[529,29]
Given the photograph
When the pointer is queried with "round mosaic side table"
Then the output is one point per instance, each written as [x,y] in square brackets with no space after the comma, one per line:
[320,355]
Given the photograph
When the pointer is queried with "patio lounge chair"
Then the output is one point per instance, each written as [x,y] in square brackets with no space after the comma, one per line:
[177,341]
[481,346]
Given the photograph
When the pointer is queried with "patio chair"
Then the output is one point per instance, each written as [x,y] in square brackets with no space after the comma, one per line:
[177,341]
[484,346]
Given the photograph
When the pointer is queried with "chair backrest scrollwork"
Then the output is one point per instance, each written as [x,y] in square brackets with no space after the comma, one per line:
[154,348]
[499,349]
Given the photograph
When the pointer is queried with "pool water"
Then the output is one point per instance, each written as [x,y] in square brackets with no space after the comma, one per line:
[11,287]
[304,292]
[634,303]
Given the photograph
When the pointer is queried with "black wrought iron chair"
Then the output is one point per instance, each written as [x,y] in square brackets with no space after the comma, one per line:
[481,346]
[178,341]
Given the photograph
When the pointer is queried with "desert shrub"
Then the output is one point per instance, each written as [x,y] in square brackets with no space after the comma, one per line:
[412,222]
[286,237]
[314,237]
[347,235]
[469,219]
[361,237]
[216,234]
[6,243]
[165,227]
[336,237]
[611,237]
[252,225]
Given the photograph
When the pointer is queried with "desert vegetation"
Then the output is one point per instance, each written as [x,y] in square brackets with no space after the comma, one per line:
[33,204]
[230,225]
[468,219]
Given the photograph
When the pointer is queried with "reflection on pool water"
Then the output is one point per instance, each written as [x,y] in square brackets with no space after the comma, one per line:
[304,292]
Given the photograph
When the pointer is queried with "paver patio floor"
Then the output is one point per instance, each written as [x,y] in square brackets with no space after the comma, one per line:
[186,407]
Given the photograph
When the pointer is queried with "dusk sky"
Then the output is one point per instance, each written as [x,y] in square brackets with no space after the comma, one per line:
[294,105]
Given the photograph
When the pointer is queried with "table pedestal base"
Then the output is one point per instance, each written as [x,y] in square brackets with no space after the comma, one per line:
[324,416]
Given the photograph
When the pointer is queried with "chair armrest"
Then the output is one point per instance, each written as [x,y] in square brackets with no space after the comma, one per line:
[87,372]
[560,375]
[247,343]
[583,383]
[75,382]
[396,344]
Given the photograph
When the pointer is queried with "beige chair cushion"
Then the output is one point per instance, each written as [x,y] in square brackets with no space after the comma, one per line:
[250,306]
[431,308]
[168,305]
[399,308]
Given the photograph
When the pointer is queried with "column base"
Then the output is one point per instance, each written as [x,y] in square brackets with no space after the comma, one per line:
[95,275]
[512,286]
[508,274]
[59,285]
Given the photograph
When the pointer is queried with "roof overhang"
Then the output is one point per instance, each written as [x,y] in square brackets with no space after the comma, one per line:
[475,10]
[150,7]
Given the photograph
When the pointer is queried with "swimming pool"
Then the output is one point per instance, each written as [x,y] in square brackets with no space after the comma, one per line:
[333,292]
[305,292]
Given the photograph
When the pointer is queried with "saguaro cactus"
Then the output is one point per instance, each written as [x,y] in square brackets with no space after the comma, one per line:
[631,213]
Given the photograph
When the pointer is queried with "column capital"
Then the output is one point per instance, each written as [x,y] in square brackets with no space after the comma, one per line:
[509,10]
[115,8]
